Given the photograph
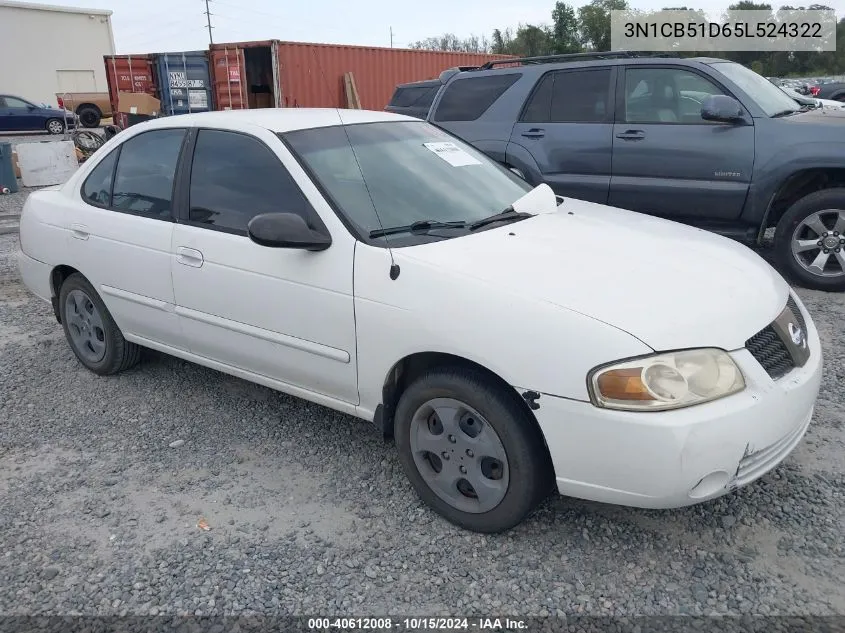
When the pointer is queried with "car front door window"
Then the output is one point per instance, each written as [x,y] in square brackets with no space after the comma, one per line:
[11,102]
[666,95]
[235,177]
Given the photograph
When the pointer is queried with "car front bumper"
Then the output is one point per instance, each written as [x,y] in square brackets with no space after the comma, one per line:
[677,458]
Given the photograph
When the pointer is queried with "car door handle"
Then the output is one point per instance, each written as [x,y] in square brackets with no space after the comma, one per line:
[534,133]
[79,231]
[631,135]
[189,257]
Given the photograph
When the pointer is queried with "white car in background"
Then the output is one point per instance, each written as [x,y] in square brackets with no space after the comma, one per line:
[821,103]
[374,264]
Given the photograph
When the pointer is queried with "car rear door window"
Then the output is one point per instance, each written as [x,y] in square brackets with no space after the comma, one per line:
[235,177]
[469,98]
[538,108]
[143,183]
[581,96]
[97,187]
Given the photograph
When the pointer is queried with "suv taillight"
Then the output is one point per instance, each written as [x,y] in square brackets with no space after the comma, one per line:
[61,103]
[814,90]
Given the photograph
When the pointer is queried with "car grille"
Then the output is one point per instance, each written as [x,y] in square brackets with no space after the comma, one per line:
[769,348]
[770,351]
[794,307]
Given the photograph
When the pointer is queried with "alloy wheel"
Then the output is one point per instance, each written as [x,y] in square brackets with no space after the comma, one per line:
[818,243]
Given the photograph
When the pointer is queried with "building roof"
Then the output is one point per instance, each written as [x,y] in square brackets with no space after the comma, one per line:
[51,7]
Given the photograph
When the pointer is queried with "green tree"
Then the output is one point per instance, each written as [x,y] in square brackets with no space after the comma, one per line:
[594,19]
[565,29]
[452,43]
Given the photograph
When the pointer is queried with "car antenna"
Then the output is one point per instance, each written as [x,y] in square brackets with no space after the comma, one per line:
[394,267]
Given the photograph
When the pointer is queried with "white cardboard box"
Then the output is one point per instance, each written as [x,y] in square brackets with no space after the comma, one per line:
[46,162]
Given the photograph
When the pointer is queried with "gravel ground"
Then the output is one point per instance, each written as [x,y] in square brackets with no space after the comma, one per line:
[103,481]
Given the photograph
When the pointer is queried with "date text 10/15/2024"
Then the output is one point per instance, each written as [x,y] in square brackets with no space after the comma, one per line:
[416,624]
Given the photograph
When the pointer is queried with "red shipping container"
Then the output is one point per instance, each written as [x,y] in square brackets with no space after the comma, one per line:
[130,73]
[297,74]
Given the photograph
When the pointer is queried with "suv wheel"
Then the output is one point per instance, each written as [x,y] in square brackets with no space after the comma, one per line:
[810,240]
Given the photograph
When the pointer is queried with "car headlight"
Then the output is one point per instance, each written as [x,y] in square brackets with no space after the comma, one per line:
[668,380]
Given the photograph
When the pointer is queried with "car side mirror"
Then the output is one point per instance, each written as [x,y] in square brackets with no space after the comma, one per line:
[722,108]
[286,230]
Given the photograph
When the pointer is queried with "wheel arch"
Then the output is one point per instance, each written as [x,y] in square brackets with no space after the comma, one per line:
[57,278]
[797,185]
[407,369]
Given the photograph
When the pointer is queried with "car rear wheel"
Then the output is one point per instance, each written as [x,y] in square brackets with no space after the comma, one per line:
[89,116]
[810,240]
[470,450]
[92,333]
[55,126]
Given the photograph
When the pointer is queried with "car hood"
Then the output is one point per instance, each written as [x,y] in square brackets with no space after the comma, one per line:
[669,285]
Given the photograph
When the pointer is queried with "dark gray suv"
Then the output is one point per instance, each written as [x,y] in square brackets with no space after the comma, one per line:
[701,141]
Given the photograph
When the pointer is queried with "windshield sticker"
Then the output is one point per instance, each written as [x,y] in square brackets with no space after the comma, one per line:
[452,154]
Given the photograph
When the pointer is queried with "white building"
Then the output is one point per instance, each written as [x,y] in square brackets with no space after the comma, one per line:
[46,49]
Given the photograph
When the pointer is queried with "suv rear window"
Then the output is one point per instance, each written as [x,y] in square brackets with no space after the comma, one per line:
[467,99]
[420,96]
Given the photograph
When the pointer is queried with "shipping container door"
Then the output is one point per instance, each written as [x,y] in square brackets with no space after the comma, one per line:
[276,54]
[126,73]
[185,83]
[228,73]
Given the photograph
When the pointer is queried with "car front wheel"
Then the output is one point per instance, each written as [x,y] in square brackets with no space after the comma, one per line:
[55,126]
[810,240]
[90,330]
[471,450]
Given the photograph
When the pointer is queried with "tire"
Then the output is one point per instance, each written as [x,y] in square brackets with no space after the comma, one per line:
[89,116]
[54,126]
[514,487]
[117,354]
[797,242]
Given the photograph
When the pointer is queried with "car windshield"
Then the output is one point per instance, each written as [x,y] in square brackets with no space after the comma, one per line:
[412,171]
[771,99]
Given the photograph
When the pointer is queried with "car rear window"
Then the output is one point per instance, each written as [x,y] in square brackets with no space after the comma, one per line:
[467,99]
[419,96]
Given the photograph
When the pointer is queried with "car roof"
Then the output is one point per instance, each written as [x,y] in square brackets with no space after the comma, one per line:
[275,119]
[507,66]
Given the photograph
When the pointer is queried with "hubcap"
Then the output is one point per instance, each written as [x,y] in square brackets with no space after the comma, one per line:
[56,127]
[459,455]
[85,326]
[818,244]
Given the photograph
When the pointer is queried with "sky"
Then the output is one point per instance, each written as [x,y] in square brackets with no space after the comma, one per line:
[180,25]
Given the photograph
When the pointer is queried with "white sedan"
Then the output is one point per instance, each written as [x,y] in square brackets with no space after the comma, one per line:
[508,339]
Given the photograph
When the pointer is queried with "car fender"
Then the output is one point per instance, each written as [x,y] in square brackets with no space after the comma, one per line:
[772,174]
[533,344]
